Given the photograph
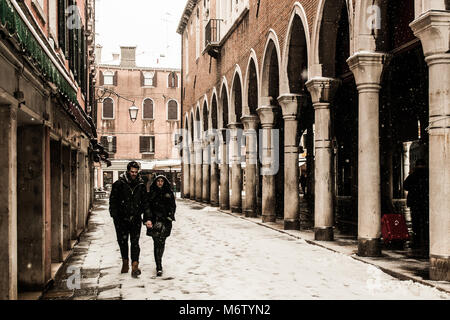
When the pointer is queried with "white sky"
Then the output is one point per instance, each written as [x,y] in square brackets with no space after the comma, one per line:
[148,24]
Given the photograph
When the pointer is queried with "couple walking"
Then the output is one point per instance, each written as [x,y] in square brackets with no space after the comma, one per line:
[129,200]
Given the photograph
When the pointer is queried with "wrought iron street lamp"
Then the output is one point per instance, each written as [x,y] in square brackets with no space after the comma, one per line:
[133,112]
[105,93]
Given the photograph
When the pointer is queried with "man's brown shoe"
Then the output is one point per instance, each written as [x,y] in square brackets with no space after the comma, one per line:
[125,266]
[135,271]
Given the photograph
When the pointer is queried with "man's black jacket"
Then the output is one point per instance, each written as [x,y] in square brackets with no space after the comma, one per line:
[128,198]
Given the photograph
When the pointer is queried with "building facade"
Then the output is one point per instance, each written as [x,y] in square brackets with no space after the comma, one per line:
[361,87]
[47,136]
[150,139]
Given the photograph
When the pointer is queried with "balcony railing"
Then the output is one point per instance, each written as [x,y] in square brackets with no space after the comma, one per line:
[212,36]
[212,32]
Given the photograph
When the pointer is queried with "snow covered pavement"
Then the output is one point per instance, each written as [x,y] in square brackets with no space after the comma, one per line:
[212,255]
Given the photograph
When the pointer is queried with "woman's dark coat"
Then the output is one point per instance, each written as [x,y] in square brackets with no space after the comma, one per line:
[128,199]
[162,209]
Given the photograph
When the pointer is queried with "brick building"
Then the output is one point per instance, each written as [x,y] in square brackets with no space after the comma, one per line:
[362,87]
[47,138]
[150,140]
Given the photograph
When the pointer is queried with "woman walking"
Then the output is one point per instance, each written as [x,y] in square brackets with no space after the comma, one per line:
[159,220]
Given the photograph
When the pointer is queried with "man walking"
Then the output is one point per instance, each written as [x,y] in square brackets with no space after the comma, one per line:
[127,202]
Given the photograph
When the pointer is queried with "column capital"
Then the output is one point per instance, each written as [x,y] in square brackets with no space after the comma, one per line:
[250,121]
[367,68]
[235,125]
[433,30]
[291,104]
[322,89]
[267,115]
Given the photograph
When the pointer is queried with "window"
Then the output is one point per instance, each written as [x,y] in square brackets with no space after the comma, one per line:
[147,144]
[186,53]
[108,78]
[148,79]
[147,109]
[172,80]
[172,110]
[108,108]
[109,143]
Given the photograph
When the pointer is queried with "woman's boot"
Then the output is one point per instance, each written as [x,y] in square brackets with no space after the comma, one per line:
[125,266]
[135,271]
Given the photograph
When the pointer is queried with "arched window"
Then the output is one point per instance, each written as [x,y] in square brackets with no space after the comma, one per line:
[172,110]
[173,80]
[108,108]
[147,109]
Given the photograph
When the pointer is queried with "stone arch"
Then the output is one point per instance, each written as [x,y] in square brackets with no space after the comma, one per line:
[236,101]
[192,128]
[250,95]
[197,122]
[270,74]
[223,104]
[297,45]
[214,112]
[324,29]
[297,39]
[205,114]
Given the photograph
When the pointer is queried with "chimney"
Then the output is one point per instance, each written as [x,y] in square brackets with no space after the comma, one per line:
[98,54]
[116,57]
[128,57]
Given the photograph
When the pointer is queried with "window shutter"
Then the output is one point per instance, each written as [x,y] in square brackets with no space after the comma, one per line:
[148,109]
[108,108]
[144,144]
[115,78]
[142,79]
[114,146]
[152,144]
[101,78]
[172,112]
[155,78]
[104,142]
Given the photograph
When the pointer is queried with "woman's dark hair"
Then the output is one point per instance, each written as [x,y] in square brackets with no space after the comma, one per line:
[132,164]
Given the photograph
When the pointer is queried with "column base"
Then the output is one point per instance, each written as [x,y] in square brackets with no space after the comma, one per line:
[271,218]
[224,207]
[250,213]
[369,247]
[291,225]
[214,204]
[236,209]
[324,234]
[439,268]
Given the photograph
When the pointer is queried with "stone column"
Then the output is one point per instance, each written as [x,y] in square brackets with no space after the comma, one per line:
[236,169]
[186,170]
[31,202]
[192,173]
[214,192]
[224,196]
[66,197]
[367,68]
[8,203]
[57,200]
[322,91]
[206,169]
[81,191]
[251,162]
[433,30]
[74,193]
[290,105]
[267,117]
[198,170]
